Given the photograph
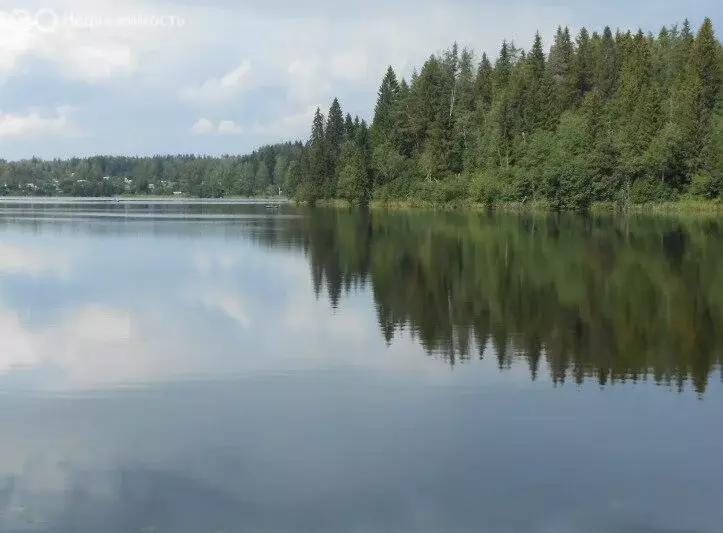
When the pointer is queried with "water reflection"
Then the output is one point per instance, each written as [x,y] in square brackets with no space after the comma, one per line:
[614,300]
[267,372]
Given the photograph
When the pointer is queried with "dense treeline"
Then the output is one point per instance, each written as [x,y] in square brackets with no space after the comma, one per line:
[613,117]
[618,117]
[260,173]
[582,298]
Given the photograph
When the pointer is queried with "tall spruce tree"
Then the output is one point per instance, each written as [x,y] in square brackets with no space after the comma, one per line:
[561,66]
[583,65]
[318,161]
[706,56]
[349,130]
[385,109]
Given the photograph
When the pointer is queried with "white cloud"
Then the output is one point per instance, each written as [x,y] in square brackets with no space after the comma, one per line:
[202,126]
[352,65]
[16,259]
[287,127]
[81,339]
[95,62]
[97,346]
[74,51]
[15,350]
[229,304]
[33,124]
[206,263]
[14,42]
[227,87]
[229,127]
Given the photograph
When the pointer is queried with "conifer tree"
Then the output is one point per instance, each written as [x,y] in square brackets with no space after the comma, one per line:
[561,66]
[608,68]
[349,130]
[706,56]
[385,109]
[318,162]
[335,128]
[583,64]
[484,84]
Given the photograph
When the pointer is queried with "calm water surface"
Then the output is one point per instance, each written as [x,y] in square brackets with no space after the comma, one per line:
[221,368]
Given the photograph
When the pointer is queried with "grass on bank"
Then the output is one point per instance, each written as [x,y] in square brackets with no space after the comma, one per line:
[681,206]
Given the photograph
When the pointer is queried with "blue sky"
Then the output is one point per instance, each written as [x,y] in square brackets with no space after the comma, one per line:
[83,77]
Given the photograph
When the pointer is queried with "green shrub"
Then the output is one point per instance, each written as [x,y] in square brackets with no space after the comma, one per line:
[484,188]
[706,186]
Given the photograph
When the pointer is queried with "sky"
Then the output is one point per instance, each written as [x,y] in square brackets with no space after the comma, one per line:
[142,77]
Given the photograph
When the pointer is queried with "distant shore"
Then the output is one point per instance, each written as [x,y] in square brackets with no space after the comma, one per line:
[140,199]
[682,206]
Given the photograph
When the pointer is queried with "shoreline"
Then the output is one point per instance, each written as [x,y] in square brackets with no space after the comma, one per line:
[684,206]
[141,199]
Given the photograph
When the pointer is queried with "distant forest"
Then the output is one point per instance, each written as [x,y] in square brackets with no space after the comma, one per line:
[260,173]
[617,117]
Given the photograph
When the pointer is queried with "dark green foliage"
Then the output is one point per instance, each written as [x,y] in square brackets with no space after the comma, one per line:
[355,168]
[385,109]
[627,118]
[706,57]
[315,184]
[335,128]
[349,130]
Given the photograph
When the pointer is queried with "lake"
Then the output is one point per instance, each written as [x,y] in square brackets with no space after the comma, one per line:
[221,367]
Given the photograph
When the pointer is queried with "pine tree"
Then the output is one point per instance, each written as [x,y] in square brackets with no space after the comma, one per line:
[706,56]
[541,90]
[537,58]
[355,175]
[318,162]
[463,115]
[334,136]
[484,84]
[686,34]
[639,98]
[335,128]
[431,117]
[561,68]
[402,135]
[607,76]
[503,67]
[583,64]
[385,109]
[349,130]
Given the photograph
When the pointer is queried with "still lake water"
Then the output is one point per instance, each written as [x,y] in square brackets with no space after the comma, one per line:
[223,367]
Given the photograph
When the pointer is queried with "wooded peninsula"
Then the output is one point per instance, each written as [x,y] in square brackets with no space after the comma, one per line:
[611,117]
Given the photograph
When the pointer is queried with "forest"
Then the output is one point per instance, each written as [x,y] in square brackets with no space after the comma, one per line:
[621,118]
[261,173]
